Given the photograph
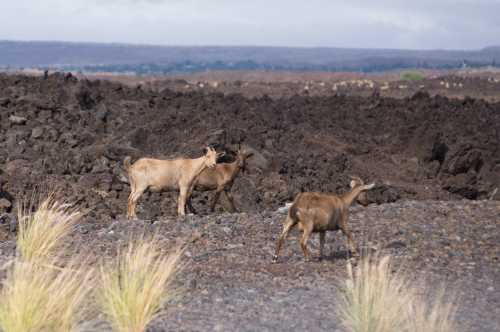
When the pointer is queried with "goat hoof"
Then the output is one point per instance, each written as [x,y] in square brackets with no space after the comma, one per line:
[275,259]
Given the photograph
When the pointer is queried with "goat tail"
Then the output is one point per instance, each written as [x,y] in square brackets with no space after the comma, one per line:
[127,163]
[284,209]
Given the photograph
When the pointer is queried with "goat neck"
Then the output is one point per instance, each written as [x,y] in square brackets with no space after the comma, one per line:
[199,165]
[349,197]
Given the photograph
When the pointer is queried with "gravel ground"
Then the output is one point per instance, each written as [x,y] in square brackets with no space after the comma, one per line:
[230,284]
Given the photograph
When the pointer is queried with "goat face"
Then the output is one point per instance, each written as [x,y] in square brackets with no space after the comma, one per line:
[361,199]
[211,157]
[242,157]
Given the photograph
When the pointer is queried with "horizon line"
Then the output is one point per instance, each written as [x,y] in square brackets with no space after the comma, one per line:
[132,44]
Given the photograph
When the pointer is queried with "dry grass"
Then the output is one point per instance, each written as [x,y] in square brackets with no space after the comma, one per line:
[134,289]
[375,299]
[36,298]
[371,298]
[40,233]
[437,317]
[37,295]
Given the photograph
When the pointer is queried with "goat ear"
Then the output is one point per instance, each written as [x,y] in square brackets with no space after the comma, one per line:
[352,184]
[249,154]
[221,154]
[356,178]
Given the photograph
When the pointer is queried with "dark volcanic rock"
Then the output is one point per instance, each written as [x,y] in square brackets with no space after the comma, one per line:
[383,194]
[465,159]
[61,129]
[463,185]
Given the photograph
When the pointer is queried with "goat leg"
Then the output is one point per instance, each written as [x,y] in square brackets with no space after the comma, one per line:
[189,206]
[321,244]
[350,240]
[214,200]
[303,242]
[133,198]
[181,204]
[129,207]
[289,223]
[230,200]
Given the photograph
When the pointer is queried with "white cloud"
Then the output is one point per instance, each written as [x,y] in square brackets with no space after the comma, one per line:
[357,23]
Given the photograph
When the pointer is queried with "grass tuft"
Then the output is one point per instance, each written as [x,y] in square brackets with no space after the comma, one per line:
[37,295]
[436,317]
[137,286]
[40,233]
[36,298]
[374,299]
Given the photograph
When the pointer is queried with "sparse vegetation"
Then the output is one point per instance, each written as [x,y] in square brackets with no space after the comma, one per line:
[37,295]
[377,300]
[40,232]
[37,298]
[431,316]
[135,287]
[412,76]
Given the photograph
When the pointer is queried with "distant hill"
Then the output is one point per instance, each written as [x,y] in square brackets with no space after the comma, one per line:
[93,57]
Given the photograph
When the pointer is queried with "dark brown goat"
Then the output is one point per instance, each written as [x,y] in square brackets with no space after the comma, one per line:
[220,179]
[317,213]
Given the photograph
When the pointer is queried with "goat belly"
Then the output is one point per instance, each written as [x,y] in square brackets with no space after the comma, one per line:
[320,228]
[204,187]
[155,189]
[325,227]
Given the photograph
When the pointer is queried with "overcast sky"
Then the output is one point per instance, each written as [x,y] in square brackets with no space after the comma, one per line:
[418,24]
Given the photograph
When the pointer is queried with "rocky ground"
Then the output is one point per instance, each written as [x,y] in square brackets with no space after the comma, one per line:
[72,135]
[479,84]
[435,160]
[229,283]
[285,85]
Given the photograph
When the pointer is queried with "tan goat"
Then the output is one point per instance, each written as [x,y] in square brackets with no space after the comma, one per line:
[221,178]
[317,213]
[165,175]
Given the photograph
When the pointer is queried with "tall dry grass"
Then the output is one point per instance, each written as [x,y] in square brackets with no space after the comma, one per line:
[137,285]
[37,295]
[36,298]
[40,233]
[374,299]
[432,316]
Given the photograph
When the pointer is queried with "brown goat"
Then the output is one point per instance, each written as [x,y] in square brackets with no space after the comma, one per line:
[164,175]
[317,213]
[221,178]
